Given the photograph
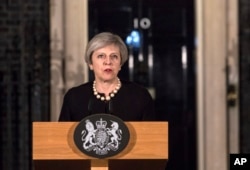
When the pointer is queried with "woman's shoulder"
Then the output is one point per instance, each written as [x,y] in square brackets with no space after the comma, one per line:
[130,84]
[131,90]
[134,87]
[80,88]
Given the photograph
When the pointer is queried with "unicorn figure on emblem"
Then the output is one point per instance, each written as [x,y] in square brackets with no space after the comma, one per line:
[115,132]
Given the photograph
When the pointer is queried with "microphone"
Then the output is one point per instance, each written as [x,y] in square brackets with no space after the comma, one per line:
[90,106]
[110,107]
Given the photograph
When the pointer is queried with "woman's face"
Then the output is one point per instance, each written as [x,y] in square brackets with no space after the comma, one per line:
[106,63]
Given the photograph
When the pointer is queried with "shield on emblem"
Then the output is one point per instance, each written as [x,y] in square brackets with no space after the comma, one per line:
[101,135]
[101,138]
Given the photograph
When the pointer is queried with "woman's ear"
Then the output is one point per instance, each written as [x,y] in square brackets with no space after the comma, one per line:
[90,66]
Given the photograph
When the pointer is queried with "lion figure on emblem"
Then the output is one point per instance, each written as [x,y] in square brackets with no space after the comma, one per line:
[88,140]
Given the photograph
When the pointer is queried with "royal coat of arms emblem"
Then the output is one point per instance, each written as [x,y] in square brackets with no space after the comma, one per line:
[101,135]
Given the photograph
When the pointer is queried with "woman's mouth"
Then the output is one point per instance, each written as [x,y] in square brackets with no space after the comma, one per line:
[108,70]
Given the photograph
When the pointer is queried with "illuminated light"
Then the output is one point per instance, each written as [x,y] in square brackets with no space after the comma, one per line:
[133,39]
[134,34]
[128,40]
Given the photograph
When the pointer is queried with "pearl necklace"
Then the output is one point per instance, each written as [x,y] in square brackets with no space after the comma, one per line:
[112,94]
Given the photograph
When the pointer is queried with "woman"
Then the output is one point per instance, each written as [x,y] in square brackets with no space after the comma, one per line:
[105,55]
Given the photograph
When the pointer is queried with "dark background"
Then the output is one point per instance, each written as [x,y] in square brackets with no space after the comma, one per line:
[172,26]
[25,70]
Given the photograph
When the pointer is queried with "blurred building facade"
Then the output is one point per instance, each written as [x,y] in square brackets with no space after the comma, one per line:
[194,59]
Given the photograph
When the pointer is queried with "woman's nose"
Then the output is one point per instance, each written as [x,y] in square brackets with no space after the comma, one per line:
[107,60]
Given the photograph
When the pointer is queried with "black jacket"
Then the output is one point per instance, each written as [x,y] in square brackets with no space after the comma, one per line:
[131,103]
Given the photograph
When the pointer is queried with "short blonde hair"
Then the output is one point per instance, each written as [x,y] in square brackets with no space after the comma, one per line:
[103,39]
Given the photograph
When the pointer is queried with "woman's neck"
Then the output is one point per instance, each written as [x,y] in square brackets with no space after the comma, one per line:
[106,86]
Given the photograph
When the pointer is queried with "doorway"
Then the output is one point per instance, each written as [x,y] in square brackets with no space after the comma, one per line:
[162,61]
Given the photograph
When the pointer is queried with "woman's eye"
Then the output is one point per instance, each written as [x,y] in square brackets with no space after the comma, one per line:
[100,56]
[114,56]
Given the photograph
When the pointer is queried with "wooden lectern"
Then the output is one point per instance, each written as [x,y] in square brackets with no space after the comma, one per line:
[54,148]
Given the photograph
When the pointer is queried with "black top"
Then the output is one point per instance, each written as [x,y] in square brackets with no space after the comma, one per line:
[131,103]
